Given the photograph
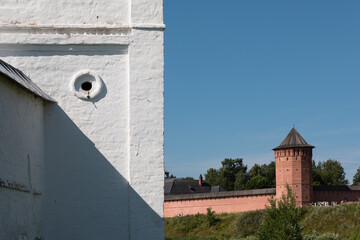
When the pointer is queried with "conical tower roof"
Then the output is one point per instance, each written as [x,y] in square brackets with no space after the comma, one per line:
[292,140]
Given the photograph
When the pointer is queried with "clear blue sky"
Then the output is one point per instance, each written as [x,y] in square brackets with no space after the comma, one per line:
[239,74]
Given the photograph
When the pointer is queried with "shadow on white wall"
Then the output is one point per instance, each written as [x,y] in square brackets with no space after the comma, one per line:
[85,196]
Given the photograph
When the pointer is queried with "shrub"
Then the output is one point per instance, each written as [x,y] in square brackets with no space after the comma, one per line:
[250,238]
[325,236]
[248,223]
[211,217]
[282,219]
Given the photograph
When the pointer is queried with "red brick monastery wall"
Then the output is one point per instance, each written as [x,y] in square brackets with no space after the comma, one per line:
[229,204]
[336,195]
[234,204]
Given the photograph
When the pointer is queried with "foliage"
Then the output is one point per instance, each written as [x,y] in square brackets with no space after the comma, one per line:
[226,175]
[316,177]
[356,179]
[342,220]
[189,178]
[325,236]
[197,227]
[329,172]
[241,179]
[230,167]
[258,182]
[268,171]
[184,224]
[261,176]
[172,176]
[197,238]
[248,223]
[282,219]
[233,175]
[255,171]
[211,217]
[212,177]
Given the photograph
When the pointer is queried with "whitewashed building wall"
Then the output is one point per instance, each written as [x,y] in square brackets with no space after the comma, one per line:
[21,162]
[103,155]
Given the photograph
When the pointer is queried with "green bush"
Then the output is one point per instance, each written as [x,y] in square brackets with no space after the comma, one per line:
[250,238]
[211,217]
[198,238]
[342,219]
[325,236]
[281,220]
[185,224]
[248,223]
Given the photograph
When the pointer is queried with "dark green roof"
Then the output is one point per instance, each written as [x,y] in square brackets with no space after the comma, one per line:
[293,140]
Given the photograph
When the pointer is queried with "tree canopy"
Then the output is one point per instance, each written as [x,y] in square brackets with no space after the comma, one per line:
[329,173]
[356,179]
[233,175]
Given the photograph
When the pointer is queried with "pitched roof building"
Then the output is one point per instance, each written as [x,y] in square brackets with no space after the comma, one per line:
[176,186]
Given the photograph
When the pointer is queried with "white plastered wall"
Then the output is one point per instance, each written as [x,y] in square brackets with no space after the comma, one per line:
[21,161]
[104,157]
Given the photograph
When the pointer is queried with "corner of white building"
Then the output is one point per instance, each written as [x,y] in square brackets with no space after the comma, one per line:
[93,162]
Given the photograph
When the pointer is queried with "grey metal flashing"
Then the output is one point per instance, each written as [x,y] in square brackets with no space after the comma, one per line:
[22,80]
[337,188]
[243,193]
[168,185]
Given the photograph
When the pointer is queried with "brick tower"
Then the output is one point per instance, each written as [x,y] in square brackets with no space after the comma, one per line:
[293,160]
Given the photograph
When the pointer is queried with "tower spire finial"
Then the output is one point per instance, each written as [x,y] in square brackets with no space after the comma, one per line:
[293,125]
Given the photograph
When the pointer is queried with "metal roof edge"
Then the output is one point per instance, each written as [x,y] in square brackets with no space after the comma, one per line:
[22,80]
[337,188]
[196,196]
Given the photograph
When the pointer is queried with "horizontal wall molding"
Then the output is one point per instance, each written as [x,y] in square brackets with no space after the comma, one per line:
[89,29]
[65,49]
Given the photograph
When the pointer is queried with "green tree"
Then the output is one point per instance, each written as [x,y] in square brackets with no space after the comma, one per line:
[258,182]
[256,170]
[233,175]
[316,174]
[261,176]
[188,178]
[282,219]
[231,167]
[241,179]
[226,175]
[268,171]
[212,177]
[330,173]
[211,217]
[356,179]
